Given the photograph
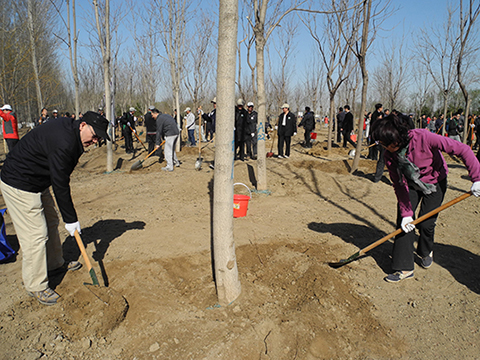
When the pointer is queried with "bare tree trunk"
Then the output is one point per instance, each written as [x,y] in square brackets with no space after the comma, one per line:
[331,114]
[362,61]
[73,53]
[445,104]
[262,115]
[105,48]
[226,271]
[31,33]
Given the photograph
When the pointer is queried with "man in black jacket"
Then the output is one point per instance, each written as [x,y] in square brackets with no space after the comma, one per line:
[127,123]
[210,120]
[348,127]
[375,149]
[308,123]
[240,129]
[151,127]
[46,156]
[287,127]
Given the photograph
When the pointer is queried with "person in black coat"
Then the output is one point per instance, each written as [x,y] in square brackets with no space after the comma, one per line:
[128,125]
[251,132]
[287,127]
[151,128]
[240,130]
[340,117]
[210,120]
[308,123]
[375,149]
[348,127]
[45,157]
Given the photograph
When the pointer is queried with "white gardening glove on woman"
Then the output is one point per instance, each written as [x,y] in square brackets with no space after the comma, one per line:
[476,188]
[406,224]
[71,227]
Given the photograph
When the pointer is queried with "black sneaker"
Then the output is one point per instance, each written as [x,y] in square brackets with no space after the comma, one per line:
[427,261]
[398,276]
[45,297]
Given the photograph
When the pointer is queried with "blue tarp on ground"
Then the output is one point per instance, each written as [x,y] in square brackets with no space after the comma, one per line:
[6,251]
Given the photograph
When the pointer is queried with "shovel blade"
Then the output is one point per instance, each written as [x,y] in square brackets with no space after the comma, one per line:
[342,262]
[137,165]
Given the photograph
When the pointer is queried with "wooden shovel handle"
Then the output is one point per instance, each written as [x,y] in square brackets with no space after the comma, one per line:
[415,222]
[146,157]
[141,142]
[82,250]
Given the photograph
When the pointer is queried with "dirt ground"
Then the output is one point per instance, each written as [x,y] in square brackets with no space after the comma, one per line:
[149,234]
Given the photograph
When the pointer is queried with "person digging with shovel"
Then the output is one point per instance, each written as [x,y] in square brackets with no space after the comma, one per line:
[419,175]
[167,129]
[44,157]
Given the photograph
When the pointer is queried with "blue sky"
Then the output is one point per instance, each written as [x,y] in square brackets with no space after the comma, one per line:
[410,15]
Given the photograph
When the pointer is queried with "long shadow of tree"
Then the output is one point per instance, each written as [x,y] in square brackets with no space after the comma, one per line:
[462,264]
[360,236]
[101,234]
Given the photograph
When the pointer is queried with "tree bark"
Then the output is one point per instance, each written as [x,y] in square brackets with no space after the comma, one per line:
[362,62]
[106,55]
[225,263]
[31,33]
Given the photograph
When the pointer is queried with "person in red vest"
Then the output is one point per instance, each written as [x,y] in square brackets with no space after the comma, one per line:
[9,126]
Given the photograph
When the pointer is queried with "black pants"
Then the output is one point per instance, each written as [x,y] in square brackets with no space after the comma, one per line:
[380,164]
[284,140]
[308,139]
[240,149]
[339,134]
[150,139]
[373,151]
[403,257]
[209,131]
[128,140]
[248,145]
[346,137]
[11,143]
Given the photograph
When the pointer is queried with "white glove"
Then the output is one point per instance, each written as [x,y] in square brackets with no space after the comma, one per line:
[253,134]
[294,134]
[472,125]
[476,188]
[276,127]
[71,227]
[128,123]
[406,224]
[135,131]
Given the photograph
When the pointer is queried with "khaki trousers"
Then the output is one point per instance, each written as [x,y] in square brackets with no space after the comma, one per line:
[36,223]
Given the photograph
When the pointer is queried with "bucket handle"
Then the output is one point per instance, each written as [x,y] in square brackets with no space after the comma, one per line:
[249,192]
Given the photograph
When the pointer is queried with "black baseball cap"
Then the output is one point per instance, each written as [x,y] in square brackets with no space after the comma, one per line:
[98,122]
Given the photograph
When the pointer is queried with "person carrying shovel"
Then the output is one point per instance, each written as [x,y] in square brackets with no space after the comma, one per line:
[419,175]
[167,129]
[45,157]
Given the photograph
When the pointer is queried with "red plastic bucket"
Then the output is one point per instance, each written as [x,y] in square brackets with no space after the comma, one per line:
[240,203]
[313,135]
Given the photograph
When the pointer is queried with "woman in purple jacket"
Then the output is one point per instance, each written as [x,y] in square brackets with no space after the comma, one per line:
[419,175]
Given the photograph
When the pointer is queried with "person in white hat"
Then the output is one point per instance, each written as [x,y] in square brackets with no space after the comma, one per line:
[55,114]
[210,120]
[9,126]
[287,127]
[190,120]
[127,123]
